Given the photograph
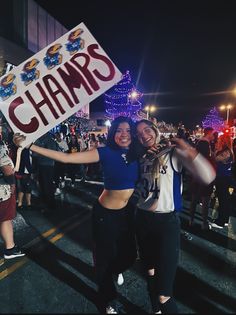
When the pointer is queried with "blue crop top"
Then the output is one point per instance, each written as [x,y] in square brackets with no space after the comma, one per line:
[117,173]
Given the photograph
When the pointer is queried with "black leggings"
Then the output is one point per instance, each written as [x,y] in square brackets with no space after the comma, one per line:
[222,191]
[114,247]
[158,237]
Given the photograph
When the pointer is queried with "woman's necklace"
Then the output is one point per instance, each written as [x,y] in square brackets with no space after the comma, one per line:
[123,155]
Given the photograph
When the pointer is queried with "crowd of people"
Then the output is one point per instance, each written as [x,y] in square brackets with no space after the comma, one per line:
[138,211]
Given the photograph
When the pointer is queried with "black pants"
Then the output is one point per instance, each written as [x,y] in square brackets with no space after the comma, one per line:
[114,247]
[24,184]
[158,237]
[222,191]
[45,178]
[59,171]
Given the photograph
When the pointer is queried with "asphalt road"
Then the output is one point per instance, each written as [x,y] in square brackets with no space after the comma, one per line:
[57,274]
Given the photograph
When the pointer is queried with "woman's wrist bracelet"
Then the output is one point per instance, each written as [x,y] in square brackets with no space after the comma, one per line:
[31,145]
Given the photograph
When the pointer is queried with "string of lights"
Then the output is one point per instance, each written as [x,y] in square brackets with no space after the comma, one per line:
[123,99]
[214,120]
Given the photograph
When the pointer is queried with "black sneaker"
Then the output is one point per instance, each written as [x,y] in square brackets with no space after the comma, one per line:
[13,252]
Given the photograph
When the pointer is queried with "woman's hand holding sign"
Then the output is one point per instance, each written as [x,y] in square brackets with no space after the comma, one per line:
[18,139]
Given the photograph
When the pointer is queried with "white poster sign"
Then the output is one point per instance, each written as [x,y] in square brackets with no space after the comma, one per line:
[55,83]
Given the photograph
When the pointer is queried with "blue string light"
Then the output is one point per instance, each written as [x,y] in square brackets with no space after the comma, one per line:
[123,99]
[213,120]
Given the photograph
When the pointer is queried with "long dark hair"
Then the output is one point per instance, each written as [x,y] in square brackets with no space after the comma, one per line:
[137,150]
[150,124]
[114,126]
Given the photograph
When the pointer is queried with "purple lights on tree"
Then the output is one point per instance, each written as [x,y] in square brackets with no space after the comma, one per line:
[123,99]
[213,120]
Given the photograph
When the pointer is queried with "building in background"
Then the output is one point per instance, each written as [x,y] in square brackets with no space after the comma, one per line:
[99,123]
[25,29]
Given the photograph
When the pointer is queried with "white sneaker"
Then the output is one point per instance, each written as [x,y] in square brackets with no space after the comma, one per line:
[120,279]
[62,184]
[214,225]
[188,237]
[57,192]
[110,310]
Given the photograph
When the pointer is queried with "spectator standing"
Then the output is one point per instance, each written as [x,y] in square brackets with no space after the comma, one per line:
[59,168]
[93,168]
[214,142]
[201,192]
[83,147]
[7,204]
[64,129]
[45,168]
[73,169]
[224,179]
[24,180]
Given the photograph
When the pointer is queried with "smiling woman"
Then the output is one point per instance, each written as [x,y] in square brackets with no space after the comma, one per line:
[157,221]
[112,218]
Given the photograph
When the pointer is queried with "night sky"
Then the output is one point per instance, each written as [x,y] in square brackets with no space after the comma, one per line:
[183,53]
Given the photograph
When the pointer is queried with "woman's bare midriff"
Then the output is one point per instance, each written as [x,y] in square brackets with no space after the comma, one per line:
[115,199]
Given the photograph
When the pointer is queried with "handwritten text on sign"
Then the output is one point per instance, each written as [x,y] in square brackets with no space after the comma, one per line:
[55,83]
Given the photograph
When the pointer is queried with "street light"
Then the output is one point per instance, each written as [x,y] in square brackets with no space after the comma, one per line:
[234,91]
[227,108]
[149,109]
[133,94]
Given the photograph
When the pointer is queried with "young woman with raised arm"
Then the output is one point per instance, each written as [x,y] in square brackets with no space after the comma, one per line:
[157,221]
[112,218]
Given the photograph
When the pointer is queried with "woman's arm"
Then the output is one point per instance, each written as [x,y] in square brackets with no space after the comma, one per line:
[74,158]
[195,162]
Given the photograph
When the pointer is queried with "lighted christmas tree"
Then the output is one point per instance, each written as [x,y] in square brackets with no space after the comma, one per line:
[123,99]
[214,120]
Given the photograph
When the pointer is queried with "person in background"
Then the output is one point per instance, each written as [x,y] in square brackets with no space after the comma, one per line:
[24,180]
[7,204]
[73,169]
[159,200]
[102,140]
[234,146]
[201,192]
[59,168]
[93,169]
[45,168]
[64,129]
[234,153]
[112,218]
[214,141]
[83,144]
[224,179]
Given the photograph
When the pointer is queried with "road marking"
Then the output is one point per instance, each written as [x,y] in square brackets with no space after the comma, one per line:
[52,230]
[6,272]
[48,233]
